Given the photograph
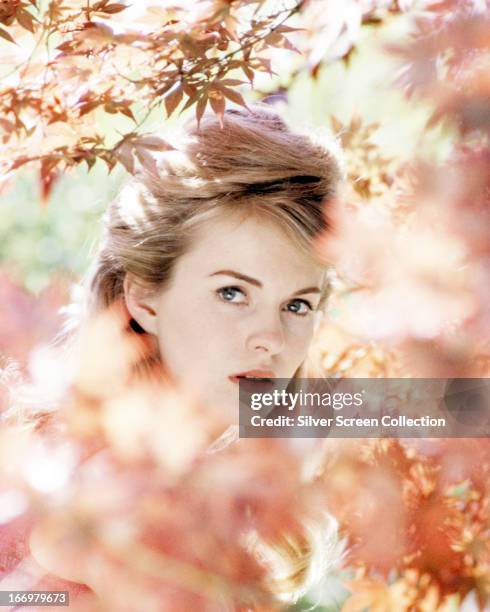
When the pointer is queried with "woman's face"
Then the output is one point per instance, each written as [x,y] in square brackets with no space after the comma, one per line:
[242,299]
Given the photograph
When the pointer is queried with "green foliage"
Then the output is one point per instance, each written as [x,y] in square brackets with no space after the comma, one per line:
[37,242]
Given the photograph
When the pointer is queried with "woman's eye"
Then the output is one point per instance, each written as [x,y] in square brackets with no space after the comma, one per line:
[231,294]
[300,307]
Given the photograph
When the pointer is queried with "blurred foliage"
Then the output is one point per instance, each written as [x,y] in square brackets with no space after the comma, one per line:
[37,242]
[408,100]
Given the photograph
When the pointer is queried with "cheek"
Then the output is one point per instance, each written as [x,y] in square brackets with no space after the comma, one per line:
[300,335]
[193,330]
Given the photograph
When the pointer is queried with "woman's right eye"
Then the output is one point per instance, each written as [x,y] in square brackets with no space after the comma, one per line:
[234,295]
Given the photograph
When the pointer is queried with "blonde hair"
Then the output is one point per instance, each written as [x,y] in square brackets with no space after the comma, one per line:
[253,164]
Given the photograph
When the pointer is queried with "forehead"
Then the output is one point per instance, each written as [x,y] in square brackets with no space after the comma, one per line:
[253,245]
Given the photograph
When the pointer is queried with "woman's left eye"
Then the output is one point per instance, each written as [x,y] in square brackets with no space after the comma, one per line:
[300,307]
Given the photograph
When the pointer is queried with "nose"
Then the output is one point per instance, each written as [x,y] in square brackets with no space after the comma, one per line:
[267,335]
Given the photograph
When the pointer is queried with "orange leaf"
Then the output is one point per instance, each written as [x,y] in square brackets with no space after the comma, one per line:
[6,35]
[201,107]
[193,98]
[218,106]
[25,19]
[249,72]
[337,125]
[48,176]
[234,96]
[230,82]
[173,99]
[125,110]
[114,8]
[89,106]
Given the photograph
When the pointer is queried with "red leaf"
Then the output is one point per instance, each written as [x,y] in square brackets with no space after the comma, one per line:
[19,162]
[89,106]
[48,176]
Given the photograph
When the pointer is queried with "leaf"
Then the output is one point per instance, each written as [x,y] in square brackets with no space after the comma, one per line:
[218,105]
[66,46]
[201,107]
[287,44]
[146,159]
[124,154]
[234,96]
[25,19]
[285,28]
[337,125]
[6,35]
[8,126]
[249,73]
[48,175]
[195,96]
[20,161]
[125,110]
[189,89]
[173,99]
[154,143]
[110,163]
[90,161]
[231,82]
[114,8]
[89,106]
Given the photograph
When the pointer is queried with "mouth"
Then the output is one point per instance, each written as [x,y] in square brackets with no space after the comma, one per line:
[261,380]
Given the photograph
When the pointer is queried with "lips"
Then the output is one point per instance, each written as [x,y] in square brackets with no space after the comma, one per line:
[258,375]
[255,381]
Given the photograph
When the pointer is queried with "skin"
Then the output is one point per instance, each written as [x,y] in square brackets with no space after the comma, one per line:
[209,325]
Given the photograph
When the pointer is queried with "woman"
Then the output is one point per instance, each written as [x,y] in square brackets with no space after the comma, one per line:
[207,257]
[211,256]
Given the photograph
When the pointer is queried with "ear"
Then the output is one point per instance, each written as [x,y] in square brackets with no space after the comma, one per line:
[141,303]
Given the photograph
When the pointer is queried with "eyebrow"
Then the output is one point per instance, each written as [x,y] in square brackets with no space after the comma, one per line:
[257,283]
